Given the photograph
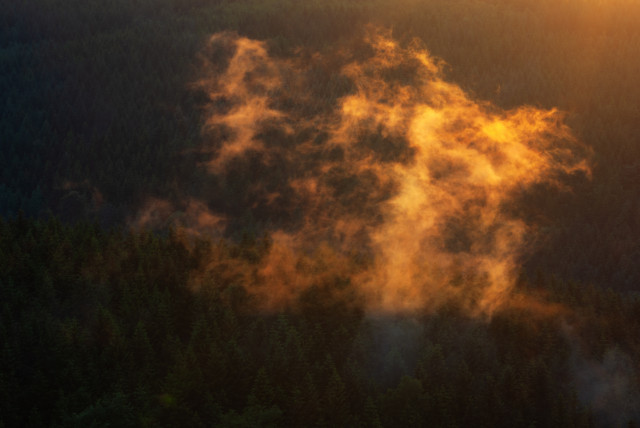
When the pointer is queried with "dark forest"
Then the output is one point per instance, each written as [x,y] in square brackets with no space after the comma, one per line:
[245,213]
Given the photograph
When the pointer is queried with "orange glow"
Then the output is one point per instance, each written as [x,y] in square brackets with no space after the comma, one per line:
[246,84]
[436,230]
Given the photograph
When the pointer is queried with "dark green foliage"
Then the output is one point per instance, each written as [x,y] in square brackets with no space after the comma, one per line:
[102,329]
[100,326]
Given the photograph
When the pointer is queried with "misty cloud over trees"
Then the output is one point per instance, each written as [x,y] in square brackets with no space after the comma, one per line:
[234,213]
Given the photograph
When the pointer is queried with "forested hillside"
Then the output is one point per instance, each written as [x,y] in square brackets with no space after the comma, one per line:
[216,213]
[102,329]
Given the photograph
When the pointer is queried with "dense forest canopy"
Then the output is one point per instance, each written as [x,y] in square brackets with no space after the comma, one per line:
[281,213]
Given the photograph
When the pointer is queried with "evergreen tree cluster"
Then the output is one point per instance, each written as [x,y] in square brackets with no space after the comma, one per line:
[103,328]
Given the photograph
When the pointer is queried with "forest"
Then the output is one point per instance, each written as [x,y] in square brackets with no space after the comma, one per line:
[245,213]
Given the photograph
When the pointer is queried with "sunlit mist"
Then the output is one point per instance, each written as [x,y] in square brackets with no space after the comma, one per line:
[400,188]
